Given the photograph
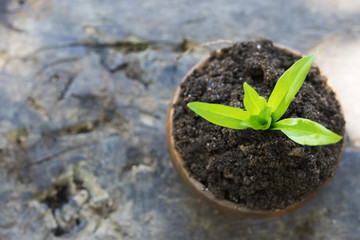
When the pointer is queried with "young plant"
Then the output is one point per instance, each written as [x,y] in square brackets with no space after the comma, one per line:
[262,115]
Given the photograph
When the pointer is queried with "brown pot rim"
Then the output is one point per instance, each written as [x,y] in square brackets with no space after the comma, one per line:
[226,206]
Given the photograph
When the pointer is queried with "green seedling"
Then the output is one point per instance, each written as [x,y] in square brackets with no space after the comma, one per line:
[262,115]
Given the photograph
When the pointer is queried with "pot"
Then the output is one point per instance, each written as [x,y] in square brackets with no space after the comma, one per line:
[224,206]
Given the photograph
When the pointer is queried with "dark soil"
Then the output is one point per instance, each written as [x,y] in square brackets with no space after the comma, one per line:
[257,169]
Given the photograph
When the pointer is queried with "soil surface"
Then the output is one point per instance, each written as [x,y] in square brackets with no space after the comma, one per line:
[257,169]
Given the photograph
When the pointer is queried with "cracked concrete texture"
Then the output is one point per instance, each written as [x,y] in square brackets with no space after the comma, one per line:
[85,89]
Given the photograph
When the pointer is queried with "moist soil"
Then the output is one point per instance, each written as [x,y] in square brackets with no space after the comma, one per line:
[262,170]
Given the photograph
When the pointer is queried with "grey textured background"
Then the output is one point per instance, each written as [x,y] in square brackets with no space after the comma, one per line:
[85,87]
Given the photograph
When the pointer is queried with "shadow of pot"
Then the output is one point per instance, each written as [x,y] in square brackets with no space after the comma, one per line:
[226,206]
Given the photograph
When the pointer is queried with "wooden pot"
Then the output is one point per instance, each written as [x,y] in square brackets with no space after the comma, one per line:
[224,206]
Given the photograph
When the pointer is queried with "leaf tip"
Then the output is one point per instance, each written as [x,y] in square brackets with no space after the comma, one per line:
[191,105]
[245,86]
[339,137]
[311,58]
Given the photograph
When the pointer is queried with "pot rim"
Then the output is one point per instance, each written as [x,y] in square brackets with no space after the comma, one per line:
[227,206]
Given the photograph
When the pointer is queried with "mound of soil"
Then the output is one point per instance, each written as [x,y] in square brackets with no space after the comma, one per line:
[262,170]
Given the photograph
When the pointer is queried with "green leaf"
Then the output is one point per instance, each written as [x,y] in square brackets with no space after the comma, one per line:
[288,85]
[222,115]
[262,121]
[306,132]
[254,103]
[266,115]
